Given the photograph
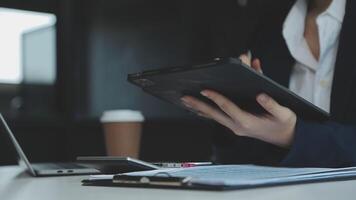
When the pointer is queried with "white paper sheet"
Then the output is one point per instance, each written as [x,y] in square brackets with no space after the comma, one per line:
[242,175]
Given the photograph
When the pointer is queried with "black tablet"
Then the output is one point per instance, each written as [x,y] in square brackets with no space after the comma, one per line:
[115,165]
[230,77]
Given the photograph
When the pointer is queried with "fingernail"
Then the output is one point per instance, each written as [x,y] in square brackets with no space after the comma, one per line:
[185,102]
[202,115]
[204,93]
[187,105]
[263,98]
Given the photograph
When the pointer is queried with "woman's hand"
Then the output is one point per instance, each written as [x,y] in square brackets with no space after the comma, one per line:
[255,63]
[276,127]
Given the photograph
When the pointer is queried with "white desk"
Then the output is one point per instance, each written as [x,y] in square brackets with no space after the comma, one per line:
[17,185]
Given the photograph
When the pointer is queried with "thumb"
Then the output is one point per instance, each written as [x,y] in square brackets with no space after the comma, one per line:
[271,106]
[245,59]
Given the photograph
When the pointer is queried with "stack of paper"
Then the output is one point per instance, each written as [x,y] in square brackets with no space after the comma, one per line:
[240,176]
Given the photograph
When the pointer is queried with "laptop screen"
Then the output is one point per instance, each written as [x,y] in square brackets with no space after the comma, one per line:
[22,159]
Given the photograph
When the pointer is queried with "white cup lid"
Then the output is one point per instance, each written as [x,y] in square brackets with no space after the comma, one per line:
[122,116]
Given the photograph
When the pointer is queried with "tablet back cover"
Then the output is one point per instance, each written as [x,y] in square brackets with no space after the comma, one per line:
[230,77]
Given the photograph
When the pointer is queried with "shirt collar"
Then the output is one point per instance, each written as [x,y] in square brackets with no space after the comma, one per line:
[336,10]
[293,27]
[293,32]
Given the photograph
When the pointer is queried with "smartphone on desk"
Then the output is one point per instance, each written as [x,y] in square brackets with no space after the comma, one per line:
[182,165]
[115,165]
[119,165]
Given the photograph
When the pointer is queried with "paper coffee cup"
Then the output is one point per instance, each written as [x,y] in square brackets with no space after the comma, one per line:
[122,116]
[122,130]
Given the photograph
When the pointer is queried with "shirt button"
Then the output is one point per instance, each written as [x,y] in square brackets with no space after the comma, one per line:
[323,83]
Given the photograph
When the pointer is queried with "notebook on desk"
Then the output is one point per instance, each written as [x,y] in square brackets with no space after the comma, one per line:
[223,177]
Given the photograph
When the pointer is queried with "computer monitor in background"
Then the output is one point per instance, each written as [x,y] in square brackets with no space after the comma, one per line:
[39,70]
[39,56]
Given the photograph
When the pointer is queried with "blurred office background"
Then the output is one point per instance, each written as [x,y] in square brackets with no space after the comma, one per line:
[63,62]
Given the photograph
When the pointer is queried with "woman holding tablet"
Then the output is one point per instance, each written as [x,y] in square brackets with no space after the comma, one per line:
[311,52]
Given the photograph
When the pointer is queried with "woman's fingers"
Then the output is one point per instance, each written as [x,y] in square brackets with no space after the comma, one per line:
[274,108]
[256,64]
[208,111]
[231,109]
[245,59]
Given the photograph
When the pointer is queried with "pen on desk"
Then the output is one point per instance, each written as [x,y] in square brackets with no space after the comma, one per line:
[182,165]
[195,164]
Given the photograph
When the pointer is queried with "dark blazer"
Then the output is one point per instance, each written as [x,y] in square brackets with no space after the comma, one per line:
[328,144]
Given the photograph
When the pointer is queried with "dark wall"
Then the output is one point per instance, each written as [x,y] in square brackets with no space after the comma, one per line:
[131,37]
[33,5]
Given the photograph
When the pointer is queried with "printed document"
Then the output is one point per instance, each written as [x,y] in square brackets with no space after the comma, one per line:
[241,175]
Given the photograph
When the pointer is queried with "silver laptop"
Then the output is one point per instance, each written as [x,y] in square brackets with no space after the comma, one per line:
[45,169]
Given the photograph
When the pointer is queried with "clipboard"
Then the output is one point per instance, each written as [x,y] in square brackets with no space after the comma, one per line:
[170,181]
[186,186]
[153,182]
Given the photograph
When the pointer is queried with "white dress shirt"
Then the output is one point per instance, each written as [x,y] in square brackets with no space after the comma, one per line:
[312,78]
